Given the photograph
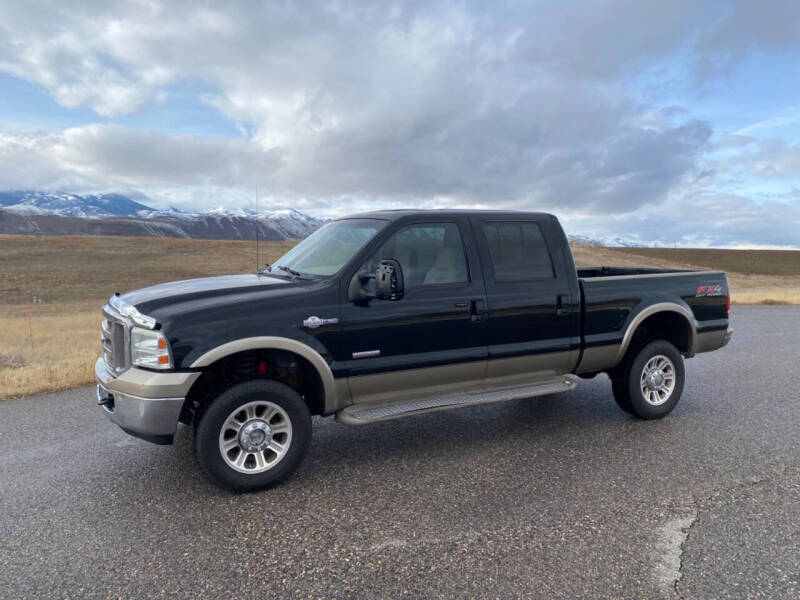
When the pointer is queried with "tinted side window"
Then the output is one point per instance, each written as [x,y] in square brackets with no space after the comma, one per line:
[430,254]
[518,251]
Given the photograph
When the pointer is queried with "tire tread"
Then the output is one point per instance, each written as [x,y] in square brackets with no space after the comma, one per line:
[625,380]
[206,432]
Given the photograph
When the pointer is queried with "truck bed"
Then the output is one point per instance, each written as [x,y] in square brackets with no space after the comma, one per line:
[614,297]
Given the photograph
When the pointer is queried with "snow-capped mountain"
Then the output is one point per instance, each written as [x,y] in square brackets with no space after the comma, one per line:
[608,242]
[618,242]
[292,222]
[70,205]
[60,213]
[115,214]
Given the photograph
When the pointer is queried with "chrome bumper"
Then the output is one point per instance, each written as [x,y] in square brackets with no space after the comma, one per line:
[143,403]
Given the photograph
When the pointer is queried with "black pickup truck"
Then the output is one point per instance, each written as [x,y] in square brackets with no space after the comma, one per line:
[390,314]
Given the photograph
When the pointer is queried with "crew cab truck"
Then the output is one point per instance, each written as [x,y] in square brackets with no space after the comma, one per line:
[390,314]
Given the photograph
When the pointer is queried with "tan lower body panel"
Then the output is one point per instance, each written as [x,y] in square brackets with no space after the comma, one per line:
[414,383]
[146,384]
[598,358]
[342,386]
[397,386]
[710,340]
[530,368]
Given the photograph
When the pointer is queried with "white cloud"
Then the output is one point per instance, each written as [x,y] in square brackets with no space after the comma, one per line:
[524,105]
[700,220]
[787,117]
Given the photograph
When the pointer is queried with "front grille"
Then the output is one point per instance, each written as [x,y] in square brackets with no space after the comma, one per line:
[114,332]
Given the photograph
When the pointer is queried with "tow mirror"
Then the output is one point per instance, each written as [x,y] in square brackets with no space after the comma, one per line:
[388,283]
[357,291]
[389,280]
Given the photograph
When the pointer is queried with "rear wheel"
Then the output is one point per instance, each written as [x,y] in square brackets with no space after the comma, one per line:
[650,381]
[621,395]
[253,436]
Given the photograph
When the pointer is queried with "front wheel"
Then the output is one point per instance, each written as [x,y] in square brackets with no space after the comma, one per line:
[650,382]
[253,436]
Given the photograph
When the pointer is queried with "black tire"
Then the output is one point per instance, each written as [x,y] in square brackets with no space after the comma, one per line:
[619,389]
[627,384]
[207,433]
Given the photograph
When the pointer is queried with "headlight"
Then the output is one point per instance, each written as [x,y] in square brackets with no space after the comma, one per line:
[150,349]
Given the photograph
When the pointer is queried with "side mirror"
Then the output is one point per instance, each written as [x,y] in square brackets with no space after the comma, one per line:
[357,291]
[389,280]
[388,283]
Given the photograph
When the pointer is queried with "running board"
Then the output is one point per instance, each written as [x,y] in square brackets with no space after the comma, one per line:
[358,414]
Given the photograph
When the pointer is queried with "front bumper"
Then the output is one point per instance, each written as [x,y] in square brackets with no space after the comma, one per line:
[143,403]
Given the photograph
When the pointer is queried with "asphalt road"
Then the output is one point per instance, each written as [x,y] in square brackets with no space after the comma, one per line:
[555,497]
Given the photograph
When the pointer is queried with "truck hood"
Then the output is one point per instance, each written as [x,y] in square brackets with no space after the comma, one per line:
[178,292]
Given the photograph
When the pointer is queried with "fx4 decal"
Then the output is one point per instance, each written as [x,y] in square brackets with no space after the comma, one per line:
[710,290]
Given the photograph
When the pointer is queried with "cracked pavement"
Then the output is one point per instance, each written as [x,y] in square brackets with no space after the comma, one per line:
[555,497]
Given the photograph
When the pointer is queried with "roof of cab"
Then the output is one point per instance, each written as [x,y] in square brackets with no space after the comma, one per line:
[396,214]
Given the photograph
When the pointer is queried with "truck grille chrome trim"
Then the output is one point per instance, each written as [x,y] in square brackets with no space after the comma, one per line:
[115,340]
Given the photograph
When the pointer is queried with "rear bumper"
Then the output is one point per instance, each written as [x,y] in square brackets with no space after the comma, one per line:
[728,336]
[143,403]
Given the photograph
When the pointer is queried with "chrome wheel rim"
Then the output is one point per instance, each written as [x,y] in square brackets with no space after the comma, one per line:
[255,437]
[658,380]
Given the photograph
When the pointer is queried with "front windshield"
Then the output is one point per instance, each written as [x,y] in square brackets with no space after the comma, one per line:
[329,248]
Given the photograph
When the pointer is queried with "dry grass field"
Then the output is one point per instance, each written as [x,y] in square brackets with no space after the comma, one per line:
[755,276]
[52,288]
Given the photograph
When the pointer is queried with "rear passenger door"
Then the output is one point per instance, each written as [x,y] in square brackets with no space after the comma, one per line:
[533,329]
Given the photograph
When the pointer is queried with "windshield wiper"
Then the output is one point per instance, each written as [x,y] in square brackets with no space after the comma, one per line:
[289,270]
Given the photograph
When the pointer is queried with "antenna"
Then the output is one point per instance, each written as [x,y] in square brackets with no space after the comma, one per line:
[258,256]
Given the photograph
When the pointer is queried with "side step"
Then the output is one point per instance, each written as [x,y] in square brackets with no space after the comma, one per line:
[358,414]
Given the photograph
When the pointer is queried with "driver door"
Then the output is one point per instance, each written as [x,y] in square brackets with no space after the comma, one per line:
[431,341]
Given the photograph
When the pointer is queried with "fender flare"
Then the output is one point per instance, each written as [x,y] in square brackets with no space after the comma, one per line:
[277,343]
[651,310]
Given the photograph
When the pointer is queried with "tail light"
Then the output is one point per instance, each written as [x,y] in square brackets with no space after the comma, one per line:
[728,304]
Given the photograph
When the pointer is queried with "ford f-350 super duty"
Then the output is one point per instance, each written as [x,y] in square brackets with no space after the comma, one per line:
[389,314]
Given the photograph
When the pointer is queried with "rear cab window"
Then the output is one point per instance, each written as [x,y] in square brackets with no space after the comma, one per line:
[518,251]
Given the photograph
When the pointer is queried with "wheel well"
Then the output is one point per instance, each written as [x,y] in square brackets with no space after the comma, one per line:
[278,365]
[666,325]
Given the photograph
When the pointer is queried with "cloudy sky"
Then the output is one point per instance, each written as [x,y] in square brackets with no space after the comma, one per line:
[671,122]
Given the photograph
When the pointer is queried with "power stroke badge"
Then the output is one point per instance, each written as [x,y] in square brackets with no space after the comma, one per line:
[314,322]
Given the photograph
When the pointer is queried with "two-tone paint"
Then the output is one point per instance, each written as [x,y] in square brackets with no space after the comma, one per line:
[437,337]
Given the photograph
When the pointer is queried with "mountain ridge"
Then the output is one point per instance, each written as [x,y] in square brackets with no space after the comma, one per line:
[61,213]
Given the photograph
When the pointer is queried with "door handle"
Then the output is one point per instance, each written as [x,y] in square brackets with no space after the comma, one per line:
[477,311]
[562,305]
